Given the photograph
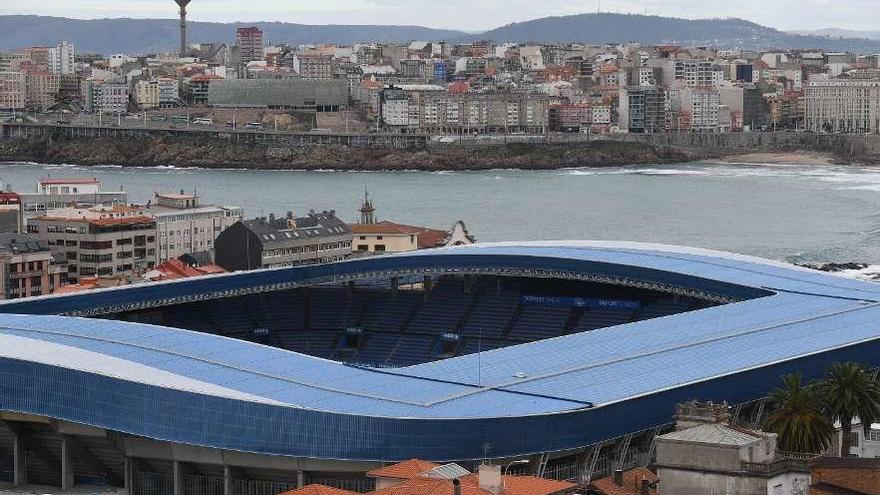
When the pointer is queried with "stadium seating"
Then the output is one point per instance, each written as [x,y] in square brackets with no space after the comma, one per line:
[403,327]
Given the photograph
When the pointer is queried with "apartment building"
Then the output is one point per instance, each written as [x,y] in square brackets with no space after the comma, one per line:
[27,267]
[702,104]
[643,109]
[62,58]
[112,98]
[146,94]
[113,242]
[438,111]
[313,65]
[250,42]
[11,213]
[52,193]
[846,106]
[42,88]
[157,92]
[184,225]
[288,241]
[13,90]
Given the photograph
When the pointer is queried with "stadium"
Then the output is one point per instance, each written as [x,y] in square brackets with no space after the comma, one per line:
[570,354]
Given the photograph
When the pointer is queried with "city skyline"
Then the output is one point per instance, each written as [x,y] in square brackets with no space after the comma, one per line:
[788,15]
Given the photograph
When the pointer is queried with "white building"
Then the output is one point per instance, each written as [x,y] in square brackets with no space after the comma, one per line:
[111,98]
[62,58]
[847,106]
[395,108]
[716,458]
[702,104]
[186,226]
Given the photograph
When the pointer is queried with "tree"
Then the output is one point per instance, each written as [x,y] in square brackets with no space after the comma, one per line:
[849,392]
[797,417]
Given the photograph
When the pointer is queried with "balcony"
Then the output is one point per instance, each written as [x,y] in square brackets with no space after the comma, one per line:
[785,462]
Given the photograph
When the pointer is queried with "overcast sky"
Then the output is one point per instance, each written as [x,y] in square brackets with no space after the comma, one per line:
[464,14]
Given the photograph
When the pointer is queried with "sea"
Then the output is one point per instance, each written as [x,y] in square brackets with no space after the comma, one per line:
[794,213]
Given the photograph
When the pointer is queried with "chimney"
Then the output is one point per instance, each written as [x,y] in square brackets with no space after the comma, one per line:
[271,217]
[618,477]
[456,487]
[490,478]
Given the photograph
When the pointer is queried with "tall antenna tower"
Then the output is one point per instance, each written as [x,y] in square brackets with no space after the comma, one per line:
[182,4]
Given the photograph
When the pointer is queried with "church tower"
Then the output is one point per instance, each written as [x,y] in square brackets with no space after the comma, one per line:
[368,213]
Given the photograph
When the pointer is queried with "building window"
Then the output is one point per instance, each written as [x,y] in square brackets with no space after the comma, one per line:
[380,248]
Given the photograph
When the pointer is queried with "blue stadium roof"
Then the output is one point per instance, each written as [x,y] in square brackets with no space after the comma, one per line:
[548,395]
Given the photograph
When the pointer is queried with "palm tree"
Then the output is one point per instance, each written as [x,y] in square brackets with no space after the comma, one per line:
[797,417]
[848,392]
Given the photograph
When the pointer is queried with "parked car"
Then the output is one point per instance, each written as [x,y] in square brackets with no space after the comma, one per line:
[254,125]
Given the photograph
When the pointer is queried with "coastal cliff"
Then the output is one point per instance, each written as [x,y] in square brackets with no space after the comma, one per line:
[196,151]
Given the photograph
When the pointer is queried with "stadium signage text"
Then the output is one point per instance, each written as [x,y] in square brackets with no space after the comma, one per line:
[581,302]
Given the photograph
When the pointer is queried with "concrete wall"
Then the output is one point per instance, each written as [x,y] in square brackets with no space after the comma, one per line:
[689,482]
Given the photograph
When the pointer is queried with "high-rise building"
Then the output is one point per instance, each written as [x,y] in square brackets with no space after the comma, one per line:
[642,109]
[62,58]
[250,41]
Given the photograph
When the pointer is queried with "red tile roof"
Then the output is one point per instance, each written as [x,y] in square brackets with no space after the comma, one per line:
[403,470]
[318,490]
[428,238]
[632,483]
[175,269]
[470,485]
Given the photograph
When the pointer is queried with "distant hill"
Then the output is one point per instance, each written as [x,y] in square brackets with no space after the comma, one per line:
[608,28]
[139,36]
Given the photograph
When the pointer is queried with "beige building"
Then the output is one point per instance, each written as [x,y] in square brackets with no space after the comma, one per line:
[846,106]
[373,237]
[27,267]
[42,87]
[146,94]
[186,226]
[13,90]
[116,241]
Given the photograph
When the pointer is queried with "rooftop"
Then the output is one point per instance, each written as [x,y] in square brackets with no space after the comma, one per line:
[68,180]
[632,483]
[427,237]
[318,490]
[715,433]
[470,485]
[403,470]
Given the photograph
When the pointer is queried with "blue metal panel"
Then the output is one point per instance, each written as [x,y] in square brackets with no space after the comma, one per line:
[552,394]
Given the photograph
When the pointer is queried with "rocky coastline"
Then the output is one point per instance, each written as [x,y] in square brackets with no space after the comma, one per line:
[211,153]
